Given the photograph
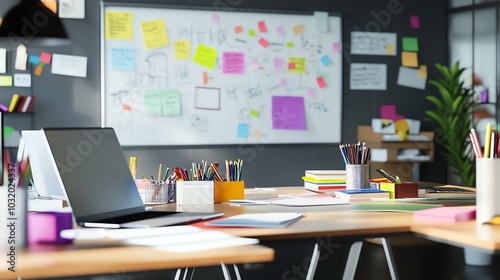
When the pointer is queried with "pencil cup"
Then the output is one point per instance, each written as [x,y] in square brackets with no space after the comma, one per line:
[227,190]
[157,193]
[487,189]
[357,176]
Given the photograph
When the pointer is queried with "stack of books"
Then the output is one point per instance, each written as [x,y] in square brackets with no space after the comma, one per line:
[324,180]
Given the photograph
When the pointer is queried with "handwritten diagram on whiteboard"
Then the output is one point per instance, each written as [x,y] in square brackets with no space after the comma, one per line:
[196,77]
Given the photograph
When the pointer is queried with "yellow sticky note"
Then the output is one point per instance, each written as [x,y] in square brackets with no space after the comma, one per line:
[299,65]
[289,45]
[298,29]
[205,56]
[389,49]
[254,113]
[182,49]
[409,59]
[5,81]
[251,33]
[154,34]
[118,25]
[422,71]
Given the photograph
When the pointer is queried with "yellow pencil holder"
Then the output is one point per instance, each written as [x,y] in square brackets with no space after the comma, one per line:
[227,190]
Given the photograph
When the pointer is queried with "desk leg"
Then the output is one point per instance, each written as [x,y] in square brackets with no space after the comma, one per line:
[416,171]
[179,271]
[390,258]
[474,256]
[352,260]
[225,271]
[314,263]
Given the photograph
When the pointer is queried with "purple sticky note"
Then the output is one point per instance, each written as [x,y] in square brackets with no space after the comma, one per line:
[388,112]
[283,82]
[254,65]
[243,130]
[311,93]
[278,64]
[45,227]
[325,60]
[415,22]
[280,30]
[233,63]
[336,47]
[288,112]
[215,18]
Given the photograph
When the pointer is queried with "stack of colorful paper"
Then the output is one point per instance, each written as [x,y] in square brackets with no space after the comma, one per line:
[324,180]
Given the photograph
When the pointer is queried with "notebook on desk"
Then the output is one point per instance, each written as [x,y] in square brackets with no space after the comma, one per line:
[98,184]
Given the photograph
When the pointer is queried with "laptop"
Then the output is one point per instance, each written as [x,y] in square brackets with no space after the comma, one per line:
[99,185]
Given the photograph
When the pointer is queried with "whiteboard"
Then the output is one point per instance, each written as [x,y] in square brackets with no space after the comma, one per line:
[173,76]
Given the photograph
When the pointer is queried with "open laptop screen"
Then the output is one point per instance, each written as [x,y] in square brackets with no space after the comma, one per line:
[94,172]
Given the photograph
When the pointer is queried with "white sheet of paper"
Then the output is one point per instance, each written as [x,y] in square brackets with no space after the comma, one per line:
[373,43]
[321,20]
[21,58]
[22,80]
[368,76]
[72,9]
[409,77]
[69,65]
[3,60]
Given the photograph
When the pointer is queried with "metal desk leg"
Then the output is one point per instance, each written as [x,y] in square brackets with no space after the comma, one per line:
[390,258]
[314,262]
[184,275]
[352,260]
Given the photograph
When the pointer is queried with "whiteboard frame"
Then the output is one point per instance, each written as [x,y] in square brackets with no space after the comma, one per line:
[104,4]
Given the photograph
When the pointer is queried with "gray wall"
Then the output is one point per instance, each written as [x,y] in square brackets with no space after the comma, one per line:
[68,101]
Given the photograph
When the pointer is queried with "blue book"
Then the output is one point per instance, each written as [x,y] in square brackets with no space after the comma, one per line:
[361,194]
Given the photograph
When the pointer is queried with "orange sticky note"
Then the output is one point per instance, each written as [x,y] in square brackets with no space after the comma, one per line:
[298,29]
[321,82]
[263,42]
[38,70]
[262,26]
[238,29]
[422,71]
[409,59]
[205,78]
[127,107]
[389,49]
[51,5]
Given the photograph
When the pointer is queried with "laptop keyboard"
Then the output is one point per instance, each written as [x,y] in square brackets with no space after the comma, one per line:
[135,217]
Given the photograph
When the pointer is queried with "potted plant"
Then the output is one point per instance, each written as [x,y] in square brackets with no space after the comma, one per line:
[453,116]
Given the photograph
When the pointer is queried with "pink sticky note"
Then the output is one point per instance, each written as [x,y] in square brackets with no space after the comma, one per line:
[321,82]
[254,65]
[278,64]
[291,65]
[388,112]
[262,26]
[283,83]
[45,57]
[215,18]
[263,42]
[280,30]
[336,47]
[311,93]
[415,22]
[233,62]
[238,29]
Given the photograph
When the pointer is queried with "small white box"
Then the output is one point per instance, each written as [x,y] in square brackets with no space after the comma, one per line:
[194,192]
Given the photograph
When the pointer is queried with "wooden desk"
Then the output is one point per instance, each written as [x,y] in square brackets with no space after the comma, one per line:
[108,257]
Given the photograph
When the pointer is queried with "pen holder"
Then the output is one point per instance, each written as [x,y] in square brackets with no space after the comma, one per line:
[487,189]
[194,192]
[158,192]
[357,176]
[402,190]
[227,190]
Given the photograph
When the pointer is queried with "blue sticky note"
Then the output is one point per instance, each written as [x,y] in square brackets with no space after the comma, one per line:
[34,59]
[243,130]
[123,59]
[325,60]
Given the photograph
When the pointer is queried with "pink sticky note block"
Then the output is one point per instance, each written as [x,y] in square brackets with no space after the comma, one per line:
[263,42]
[283,82]
[336,47]
[262,26]
[321,82]
[278,64]
[254,65]
[388,112]
[311,93]
[291,65]
[238,29]
[215,18]
[46,227]
[280,30]
[45,57]
[415,22]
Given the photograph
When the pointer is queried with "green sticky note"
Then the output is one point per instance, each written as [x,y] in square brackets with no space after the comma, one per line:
[7,132]
[254,113]
[289,44]
[410,44]
[5,81]
[171,103]
[251,33]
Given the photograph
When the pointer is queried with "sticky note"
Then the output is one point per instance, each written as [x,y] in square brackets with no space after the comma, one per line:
[243,130]
[45,57]
[34,59]
[205,77]
[279,64]
[321,21]
[283,83]
[118,25]
[311,93]
[422,71]
[336,47]
[205,56]
[233,62]
[38,70]
[257,134]
[389,49]
[254,113]
[238,29]
[215,18]
[3,60]
[288,113]
[254,65]
[182,49]
[289,45]
[123,59]
[51,5]
[5,81]
[414,22]
[321,82]
[298,29]
[262,26]
[280,30]
[325,60]
[291,65]
[21,57]
[409,59]
[154,34]
[22,80]
[410,44]
[263,42]
[251,33]
[299,65]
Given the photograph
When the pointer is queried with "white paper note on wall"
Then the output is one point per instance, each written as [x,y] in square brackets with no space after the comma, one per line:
[368,76]
[409,77]
[72,9]
[69,65]
[373,43]
[3,60]
[22,80]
